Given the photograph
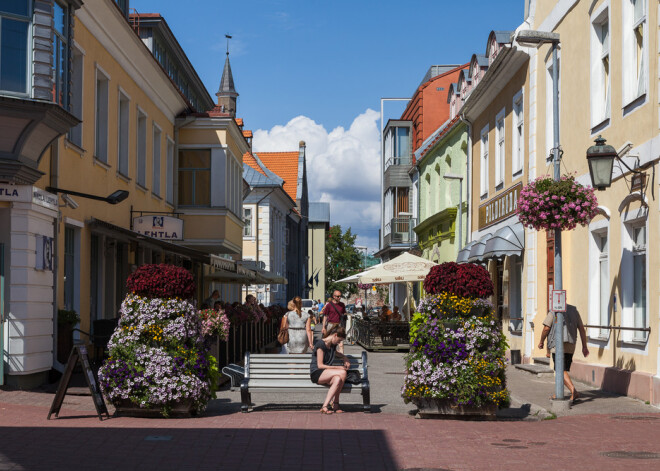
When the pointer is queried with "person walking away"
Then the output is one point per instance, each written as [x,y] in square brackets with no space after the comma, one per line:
[319,311]
[300,330]
[572,325]
[210,301]
[322,371]
[333,313]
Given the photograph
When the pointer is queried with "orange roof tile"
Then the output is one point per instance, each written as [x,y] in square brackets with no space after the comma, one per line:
[239,121]
[285,165]
[250,160]
[247,133]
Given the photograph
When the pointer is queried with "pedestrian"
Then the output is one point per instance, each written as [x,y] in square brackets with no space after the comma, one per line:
[333,313]
[322,371]
[319,310]
[210,301]
[300,331]
[396,315]
[217,306]
[572,325]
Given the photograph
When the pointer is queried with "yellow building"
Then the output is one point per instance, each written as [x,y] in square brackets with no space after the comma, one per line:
[148,130]
[608,85]
[319,224]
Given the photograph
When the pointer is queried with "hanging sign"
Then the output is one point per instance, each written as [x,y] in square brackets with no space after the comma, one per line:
[159,227]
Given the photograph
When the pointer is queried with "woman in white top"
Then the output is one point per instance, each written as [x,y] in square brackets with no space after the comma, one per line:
[300,328]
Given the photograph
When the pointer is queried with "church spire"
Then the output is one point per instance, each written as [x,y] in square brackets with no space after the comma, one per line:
[227,93]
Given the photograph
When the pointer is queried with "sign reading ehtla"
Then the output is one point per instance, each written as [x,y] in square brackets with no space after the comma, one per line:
[159,227]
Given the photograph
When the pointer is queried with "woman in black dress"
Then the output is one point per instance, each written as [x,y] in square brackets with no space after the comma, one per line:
[322,371]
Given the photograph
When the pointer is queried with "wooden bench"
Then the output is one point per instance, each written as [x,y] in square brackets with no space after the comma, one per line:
[277,373]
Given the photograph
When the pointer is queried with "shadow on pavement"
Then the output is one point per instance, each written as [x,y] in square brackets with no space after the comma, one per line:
[174,448]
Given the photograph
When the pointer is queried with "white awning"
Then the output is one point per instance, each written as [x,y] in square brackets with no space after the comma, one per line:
[509,240]
[478,249]
[465,252]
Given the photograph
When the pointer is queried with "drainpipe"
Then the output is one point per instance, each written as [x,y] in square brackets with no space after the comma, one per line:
[54,180]
[469,178]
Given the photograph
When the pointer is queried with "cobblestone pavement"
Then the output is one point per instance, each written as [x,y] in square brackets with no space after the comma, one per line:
[288,433]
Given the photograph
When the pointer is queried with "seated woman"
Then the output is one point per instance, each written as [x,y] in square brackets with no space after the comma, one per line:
[396,315]
[322,371]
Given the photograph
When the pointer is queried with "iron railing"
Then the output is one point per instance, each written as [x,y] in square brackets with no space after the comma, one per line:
[376,335]
[402,230]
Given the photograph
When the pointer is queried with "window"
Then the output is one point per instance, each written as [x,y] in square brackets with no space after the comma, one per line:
[101,147]
[484,161]
[75,133]
[14,24]
[169,177]
[600,68]
[635,47]
[499,149]
[599,284]
[141,149]
[122,134]
[155,164]
[247,219]
[60,61]
[518,151]
[549,106]
[634,283]
[195,177]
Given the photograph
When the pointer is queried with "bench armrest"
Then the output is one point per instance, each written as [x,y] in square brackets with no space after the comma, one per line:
[365,374]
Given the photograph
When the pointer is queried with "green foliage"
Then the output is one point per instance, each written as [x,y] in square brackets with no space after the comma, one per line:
[341,260]
[66,317]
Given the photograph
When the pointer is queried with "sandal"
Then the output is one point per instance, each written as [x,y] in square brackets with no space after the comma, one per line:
[336,409]
[325,411]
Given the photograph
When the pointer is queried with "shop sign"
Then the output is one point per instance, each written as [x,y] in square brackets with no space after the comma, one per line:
[159,227]
[28,194]
[500,207]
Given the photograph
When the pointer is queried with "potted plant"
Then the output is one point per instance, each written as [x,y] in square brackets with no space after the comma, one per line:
[456,362]
[159,363]
[549,204]
[66,321]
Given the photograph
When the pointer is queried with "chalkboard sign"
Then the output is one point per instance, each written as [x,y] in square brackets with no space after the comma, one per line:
[79,353]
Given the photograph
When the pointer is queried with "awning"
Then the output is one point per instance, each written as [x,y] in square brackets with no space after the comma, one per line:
[509,240]
[267,278]
[478,249]
[465,253]
[128,234]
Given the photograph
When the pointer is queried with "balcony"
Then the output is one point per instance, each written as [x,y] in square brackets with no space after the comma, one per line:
[400,231]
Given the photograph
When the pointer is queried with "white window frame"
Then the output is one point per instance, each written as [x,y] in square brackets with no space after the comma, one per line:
[123,132]
[601,80]
[247,221]
[549,126]
[75,134]
[630,221]
[518,134]
[101,112]
[483,164]
[141,147]
[634,79]
[500,149]
[169,171]
[156,157]
[598,315]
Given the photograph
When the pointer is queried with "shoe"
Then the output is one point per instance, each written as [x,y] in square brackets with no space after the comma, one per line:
[325,411]
[336,409]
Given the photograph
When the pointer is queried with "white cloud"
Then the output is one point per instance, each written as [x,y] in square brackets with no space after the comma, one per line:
[342,168]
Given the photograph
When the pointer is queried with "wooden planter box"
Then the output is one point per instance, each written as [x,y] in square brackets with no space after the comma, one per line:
[129,409]
[432,408]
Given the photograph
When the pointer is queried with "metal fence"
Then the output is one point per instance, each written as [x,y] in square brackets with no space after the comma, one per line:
[382,336]
[252,337]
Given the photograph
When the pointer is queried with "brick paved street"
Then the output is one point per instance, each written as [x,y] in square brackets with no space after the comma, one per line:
[288,433]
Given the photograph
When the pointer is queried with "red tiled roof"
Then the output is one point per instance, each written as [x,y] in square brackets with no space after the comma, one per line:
[247,133]
[249,159]
[285,165]
[239,122]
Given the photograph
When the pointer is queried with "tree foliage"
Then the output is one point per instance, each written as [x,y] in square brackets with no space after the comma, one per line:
[341,260]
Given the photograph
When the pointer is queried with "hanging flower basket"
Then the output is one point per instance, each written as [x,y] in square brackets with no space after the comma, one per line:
[364,285]
[548,204]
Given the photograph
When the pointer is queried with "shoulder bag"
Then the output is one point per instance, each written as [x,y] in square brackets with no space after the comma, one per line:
[283,335]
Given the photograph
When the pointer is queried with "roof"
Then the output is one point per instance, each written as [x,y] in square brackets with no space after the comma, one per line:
[247,133]
[436,70]
[239,121]
[435,137]
[319,212]
[503,37]
[285,165]
[256,178]
[227,81]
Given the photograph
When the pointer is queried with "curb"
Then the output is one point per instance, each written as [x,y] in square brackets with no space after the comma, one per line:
[524,410]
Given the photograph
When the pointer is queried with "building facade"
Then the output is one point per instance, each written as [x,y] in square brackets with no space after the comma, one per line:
[319,225]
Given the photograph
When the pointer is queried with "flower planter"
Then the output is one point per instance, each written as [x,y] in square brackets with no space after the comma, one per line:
[127,408]
[432,408]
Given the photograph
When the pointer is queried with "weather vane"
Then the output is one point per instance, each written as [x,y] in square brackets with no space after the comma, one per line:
[228,38]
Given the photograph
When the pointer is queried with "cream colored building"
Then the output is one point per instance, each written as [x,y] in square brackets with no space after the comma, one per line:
[154,134]
[319,224]
[608,85]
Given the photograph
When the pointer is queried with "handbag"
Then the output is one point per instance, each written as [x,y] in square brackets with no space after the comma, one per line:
[283,335]
[353,377]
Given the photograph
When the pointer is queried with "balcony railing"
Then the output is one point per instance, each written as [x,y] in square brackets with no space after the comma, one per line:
[401,230]
[407,160]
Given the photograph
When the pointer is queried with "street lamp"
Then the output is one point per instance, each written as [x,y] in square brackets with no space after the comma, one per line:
[601,160]
[453,176]
[537,38]
[116,197]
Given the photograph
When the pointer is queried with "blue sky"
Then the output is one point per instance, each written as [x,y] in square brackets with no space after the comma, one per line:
[315,71]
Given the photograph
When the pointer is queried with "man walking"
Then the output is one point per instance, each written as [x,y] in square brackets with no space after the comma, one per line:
[332,314]
[572,324]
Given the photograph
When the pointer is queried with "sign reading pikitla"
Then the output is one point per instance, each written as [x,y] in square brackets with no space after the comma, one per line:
[500,207]
[159,227]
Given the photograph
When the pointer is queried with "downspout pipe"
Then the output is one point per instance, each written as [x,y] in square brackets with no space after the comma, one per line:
[469,178]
